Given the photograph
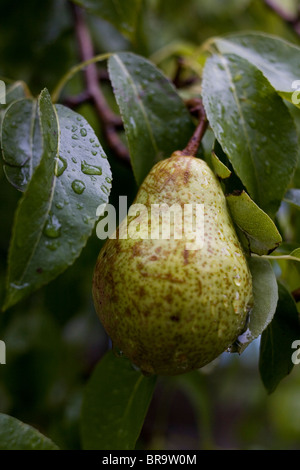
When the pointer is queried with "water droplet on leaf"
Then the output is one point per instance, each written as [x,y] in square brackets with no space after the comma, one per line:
[52,227]
[78,186]
[88,169]
[61,166]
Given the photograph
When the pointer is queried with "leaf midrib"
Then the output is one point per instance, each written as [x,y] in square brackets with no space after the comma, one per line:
[49,204]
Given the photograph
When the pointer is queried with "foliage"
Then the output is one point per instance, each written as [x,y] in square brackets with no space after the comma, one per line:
[59,167]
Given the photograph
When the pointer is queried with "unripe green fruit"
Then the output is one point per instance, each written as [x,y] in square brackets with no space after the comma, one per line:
[169,309]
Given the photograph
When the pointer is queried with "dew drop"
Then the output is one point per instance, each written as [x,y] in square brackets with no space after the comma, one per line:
[237,77]
[51,245]
[88,169]
[61,166]
[237,280]
[75,137]
[105,189]
[74,160]
[78,186]
[94,152]
[52,227]
[83,132]
[59,205]
[18,286]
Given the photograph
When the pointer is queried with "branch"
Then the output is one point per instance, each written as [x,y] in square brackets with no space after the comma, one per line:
[291,20]
[110,122]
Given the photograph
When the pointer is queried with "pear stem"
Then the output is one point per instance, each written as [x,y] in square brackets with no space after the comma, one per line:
[196,107]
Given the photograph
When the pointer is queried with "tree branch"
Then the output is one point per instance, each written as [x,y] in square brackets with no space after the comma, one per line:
[291,20]
[110,122]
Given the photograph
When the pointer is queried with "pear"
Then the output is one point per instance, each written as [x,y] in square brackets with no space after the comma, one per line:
[167,308]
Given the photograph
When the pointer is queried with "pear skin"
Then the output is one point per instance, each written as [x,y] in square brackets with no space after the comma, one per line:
[170,309]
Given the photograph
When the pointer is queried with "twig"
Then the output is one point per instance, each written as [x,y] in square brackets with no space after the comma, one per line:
[75,101]
[110,121]
[196,108]
[178,82]
[293,21]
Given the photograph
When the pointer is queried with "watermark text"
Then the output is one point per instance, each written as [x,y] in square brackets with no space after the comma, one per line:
[157,222]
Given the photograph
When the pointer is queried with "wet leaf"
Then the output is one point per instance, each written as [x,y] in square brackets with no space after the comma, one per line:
[253,126]
[155,119]
[21,142]
[57,212]
[278,60]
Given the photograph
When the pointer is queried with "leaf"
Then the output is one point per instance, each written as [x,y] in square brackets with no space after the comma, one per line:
[21,142]
[220,169]
[155,119]
[253,126]
[278,60]
[265,294]
[259,229]
[275,361]
[292,196]
[14,91]
[57,212]
[123,15]
[15,435]
[115,404]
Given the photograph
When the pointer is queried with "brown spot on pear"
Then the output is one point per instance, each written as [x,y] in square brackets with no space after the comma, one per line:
[170,311]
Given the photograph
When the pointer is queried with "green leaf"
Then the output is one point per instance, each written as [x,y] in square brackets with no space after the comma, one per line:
[253,126]
[115,404]
[220,169]
[21,142]
[265,294]
[15,435]
[123,15]
[14,91]
[275,361]
[156,121]
[278,60]
[260,231]
[57,212]
[292,196]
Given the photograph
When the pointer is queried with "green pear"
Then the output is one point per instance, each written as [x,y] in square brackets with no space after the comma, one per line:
[169,308]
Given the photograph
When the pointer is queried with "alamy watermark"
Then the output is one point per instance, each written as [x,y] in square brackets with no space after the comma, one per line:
[2,92]
[296,354]
[2,352]
[157,222]
[296,94]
